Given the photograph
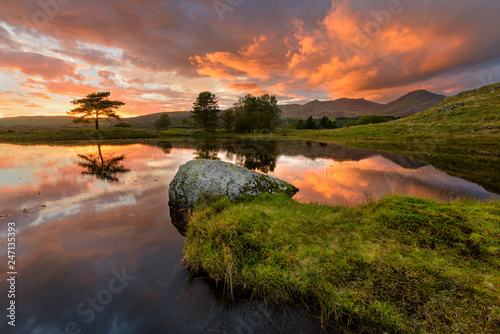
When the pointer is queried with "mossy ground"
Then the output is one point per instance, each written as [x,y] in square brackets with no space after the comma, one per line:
[400,265]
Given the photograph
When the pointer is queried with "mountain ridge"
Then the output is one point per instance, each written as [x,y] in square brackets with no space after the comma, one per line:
[406,105]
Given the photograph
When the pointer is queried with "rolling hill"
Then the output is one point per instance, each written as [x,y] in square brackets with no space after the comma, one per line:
[51,122]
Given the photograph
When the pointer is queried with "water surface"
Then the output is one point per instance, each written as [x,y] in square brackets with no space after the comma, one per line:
[86,215]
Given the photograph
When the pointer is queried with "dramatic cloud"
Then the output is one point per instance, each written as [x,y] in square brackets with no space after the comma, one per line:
[6,40]
[158,54]
[34,64]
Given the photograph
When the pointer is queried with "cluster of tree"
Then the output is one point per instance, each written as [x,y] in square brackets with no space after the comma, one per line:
[250,114]
[311,124]
[368,119]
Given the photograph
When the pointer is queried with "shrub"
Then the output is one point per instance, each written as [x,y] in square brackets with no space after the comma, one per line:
[122,125]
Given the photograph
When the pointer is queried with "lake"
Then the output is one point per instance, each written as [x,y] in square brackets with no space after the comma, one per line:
[96,252]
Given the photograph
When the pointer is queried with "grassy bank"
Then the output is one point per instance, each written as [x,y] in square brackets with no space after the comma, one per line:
[83,135]
[399,265]
[64,136]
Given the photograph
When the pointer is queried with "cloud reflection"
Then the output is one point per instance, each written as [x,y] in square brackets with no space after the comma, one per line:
[77,228]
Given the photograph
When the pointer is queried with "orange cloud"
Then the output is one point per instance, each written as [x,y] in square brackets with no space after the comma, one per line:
[362,52]
[257,60]
[37,64]
[159,56]
[247,87]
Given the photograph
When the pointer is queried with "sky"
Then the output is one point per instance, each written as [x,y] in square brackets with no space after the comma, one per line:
[158,55]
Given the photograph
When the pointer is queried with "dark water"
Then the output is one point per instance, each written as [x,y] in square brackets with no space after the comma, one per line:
[96,253]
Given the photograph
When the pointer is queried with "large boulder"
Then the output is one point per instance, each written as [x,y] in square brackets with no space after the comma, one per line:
[214,178]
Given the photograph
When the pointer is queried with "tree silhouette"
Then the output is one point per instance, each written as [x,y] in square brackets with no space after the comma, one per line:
[163,122]
[311,123]
[95,105]
[102,168]
[326,123]
[205,111]
[228,117]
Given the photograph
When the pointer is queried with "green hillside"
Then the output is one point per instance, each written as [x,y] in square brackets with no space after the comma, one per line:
[470,117]
[37,121]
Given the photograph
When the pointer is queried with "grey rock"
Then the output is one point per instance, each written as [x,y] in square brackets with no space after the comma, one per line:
[215,178]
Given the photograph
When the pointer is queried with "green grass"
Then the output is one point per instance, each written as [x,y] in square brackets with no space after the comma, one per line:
[62,136]
[84,135]
[401,265]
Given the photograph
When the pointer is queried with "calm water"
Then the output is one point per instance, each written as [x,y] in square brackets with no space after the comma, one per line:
[96,250]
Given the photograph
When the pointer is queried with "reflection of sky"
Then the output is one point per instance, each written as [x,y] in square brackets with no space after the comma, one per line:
[76,229]
[73,229]
[355,182]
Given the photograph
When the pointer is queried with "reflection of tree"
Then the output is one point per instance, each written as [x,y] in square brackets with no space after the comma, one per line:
[257,155]
[252,154]
[207,149]
[165,146]
[102,168]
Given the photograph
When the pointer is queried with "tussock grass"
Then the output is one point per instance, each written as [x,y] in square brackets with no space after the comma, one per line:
[400,265]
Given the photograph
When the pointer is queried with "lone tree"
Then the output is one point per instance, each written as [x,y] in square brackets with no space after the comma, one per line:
[163,122]
[95,105]
[205,111]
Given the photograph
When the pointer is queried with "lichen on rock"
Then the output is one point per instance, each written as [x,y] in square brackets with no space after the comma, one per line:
[214,178]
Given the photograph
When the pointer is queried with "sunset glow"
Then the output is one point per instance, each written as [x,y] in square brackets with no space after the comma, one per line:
[157,55]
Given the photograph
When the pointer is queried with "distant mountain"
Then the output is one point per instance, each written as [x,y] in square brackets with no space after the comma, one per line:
[409,104]
[340,107]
